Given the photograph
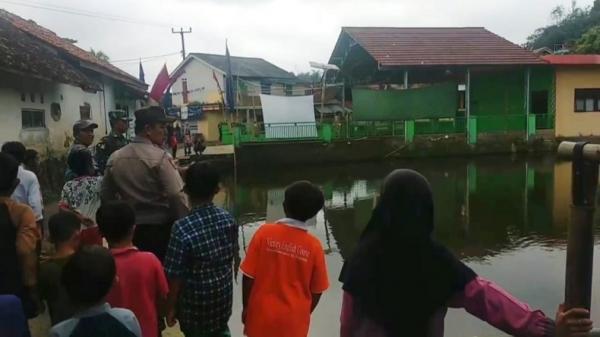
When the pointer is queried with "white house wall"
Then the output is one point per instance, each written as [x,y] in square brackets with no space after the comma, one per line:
[54,135]
[200,83]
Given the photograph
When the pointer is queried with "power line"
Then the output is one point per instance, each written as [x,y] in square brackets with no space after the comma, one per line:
[145,58]
[76,11]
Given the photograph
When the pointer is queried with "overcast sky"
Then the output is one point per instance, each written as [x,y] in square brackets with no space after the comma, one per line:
[288,33]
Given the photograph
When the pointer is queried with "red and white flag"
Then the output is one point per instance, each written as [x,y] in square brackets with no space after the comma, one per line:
[162,82]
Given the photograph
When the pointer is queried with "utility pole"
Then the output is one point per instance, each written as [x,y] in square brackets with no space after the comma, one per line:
[181,32]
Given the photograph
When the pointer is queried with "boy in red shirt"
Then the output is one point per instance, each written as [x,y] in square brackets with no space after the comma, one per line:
[284,269]
[141,282]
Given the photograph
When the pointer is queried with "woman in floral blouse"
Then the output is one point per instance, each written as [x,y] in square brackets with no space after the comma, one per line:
[82,194]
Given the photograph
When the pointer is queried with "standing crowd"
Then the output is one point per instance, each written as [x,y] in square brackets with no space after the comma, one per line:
[139,245]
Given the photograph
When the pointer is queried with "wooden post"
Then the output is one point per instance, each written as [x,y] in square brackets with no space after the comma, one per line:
[406,79]
[468,102]
[527,95]
[580,247]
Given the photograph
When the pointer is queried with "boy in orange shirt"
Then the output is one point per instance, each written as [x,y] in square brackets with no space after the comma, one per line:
[284,269]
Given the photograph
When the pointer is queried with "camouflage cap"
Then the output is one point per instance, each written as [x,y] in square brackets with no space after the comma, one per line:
[84,124]
[119,115]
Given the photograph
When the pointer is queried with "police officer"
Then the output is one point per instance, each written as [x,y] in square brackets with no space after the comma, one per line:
[144,174]
[119,124]
[83,133]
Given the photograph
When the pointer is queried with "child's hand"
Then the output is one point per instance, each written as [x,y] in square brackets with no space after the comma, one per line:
[573,323]
[171,317]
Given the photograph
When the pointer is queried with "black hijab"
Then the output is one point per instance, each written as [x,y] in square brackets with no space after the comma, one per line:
[398,275]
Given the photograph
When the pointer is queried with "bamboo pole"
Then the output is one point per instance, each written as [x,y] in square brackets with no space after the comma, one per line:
[580,246]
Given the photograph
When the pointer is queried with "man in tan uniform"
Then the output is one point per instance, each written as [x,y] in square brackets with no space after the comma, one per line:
[144,174]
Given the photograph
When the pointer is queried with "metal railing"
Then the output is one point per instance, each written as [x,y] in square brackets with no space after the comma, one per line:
[342,130]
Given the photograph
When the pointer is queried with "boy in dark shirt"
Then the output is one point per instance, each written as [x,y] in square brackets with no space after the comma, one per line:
[64,233]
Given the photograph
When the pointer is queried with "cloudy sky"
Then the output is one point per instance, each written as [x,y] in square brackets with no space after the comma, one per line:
[289,33]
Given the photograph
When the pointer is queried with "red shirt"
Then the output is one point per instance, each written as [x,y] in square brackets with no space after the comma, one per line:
[287,264]
[141,281]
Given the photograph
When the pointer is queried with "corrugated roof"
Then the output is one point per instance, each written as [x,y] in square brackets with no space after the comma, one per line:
[245,66]
[48,36]
[21,54]
[439,46]
[572,59]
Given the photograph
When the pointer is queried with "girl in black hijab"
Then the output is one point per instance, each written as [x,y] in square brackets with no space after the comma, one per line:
[400,282]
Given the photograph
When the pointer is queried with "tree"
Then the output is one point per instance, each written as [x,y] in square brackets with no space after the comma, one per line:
[567,27]
[314,76]
[100,55]
[589,42]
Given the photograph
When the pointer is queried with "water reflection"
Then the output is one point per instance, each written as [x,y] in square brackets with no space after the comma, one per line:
[506,217]
[483,207]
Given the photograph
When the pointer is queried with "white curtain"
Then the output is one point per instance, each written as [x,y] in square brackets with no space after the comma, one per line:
[289,116]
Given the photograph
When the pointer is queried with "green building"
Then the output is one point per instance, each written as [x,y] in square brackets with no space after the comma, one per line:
[444,80]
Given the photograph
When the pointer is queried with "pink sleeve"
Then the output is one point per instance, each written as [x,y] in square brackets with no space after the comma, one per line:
[488,302]
[347,319]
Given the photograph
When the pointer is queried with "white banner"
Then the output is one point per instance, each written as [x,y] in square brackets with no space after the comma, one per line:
[289,116]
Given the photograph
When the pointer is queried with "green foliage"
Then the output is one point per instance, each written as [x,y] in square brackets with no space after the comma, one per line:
[568,26]
[589,42]
[314,76]
[100,55]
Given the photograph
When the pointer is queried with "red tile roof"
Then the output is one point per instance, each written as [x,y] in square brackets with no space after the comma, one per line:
[439,46]
[572,59]
[85,57]
[21,54]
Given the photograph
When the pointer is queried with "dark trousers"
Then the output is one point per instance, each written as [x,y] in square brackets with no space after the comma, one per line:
[153,239]
[191,332]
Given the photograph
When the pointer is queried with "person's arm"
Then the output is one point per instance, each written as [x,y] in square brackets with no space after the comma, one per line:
[27,240]
[488,302]
[35,198]
[173,187]
[175,286]
[109,188]
[175,267]
[162,289]
[319,280]
[247,284]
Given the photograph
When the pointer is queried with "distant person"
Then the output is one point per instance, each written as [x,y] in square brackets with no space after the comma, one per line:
[141,284]
[82,194]
[12,321]
[188,143]
[28,192]
[199,261]
[64,234]
[145,175]
[284,269]
[19,238]
[116,139]
[83,133]
[199,144]
[400,282]
[88,277]
[173,145]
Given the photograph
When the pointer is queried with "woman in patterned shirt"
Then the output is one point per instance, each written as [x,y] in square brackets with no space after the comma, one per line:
[82,194]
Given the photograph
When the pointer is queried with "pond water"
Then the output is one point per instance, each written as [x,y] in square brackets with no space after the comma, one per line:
[506,217]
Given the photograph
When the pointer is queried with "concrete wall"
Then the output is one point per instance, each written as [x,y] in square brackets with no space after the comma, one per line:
[568,122]
[56,134]
[209,125]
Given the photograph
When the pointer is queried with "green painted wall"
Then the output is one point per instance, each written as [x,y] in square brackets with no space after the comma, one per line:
[498,93]
[439,100]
